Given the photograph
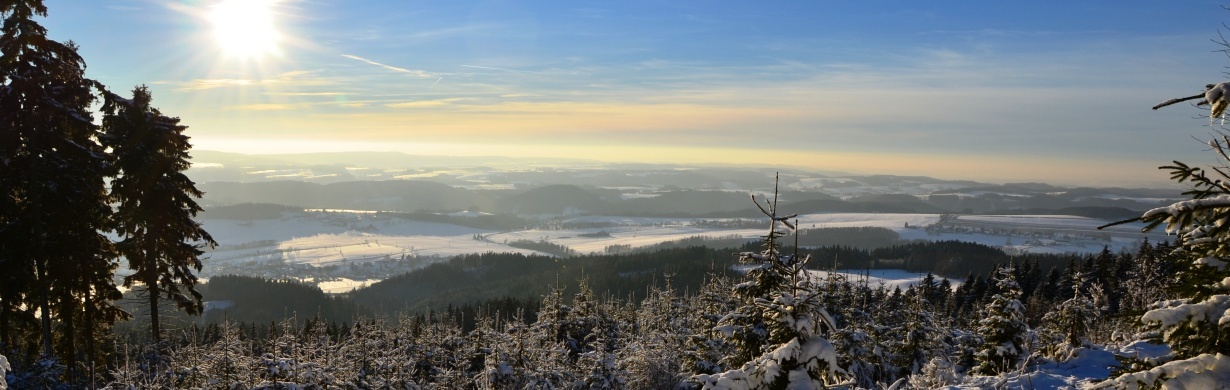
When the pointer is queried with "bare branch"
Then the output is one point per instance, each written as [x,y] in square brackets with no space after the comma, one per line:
[1182,99]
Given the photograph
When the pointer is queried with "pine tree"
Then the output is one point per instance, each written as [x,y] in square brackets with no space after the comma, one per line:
[653,358]
[1003,329]
[921,336]
[858,349]
[53,205]
[155,203]
[1071,321]
[1150,278]
[1196,326]
[782,318]
[707,346]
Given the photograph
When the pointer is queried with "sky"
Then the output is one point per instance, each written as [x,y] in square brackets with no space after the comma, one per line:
[1012,91]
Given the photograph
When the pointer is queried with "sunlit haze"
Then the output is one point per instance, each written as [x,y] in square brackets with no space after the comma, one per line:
[1043,91]
[245,28]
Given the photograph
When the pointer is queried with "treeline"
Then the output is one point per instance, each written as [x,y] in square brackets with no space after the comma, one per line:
[544,246]
[249,211]
[854,237]
[481,277]
[472,281]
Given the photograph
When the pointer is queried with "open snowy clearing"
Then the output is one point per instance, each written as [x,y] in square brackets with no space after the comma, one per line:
[342,285]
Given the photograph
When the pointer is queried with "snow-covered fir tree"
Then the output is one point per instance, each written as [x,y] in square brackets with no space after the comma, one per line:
[1070,322]
[653,359]
[787,323]
[921,337]
[707,345]
[1197,325]
[1003,328]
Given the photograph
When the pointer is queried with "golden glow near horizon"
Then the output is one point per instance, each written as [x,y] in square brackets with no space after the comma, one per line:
[954,167]
[689,83]
[245,28]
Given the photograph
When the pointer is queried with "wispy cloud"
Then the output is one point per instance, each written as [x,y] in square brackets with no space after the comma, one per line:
[268,107]
[425,103]
[499,69]
[296,77]
[417,73]
[204,84]
[307,93]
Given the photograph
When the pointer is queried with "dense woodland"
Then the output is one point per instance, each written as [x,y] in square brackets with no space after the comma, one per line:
[608,327]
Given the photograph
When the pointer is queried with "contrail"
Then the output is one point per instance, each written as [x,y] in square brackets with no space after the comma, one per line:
[389,67]
[433,85]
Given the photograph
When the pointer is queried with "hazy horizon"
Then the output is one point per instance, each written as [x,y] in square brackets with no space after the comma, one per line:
[1045,91]
[503,162]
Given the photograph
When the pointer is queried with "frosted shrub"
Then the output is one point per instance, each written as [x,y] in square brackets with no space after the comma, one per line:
[938,372]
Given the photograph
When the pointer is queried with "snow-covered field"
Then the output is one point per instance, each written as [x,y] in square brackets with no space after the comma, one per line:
[340,238]
[341,285]
[635,236]
[346,238]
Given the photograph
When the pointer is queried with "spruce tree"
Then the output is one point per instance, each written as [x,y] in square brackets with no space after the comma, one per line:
[783,319]
[920,335]
[1071,321]
[155,203]
[1196,326]
[1003,329]
[53,206]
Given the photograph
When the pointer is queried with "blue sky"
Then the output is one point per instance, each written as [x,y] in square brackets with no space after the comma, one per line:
[1052,91]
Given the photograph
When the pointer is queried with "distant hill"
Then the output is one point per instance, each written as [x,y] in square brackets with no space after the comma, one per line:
[687,203]
[554,199]
[502,185]
[391,195]
[248,211]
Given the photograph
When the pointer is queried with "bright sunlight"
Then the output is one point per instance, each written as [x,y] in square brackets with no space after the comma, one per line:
[245,28]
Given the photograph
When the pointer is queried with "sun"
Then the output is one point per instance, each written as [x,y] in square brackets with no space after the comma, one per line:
[245,28]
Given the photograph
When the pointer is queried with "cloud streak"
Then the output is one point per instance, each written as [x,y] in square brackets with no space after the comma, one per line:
[416,73]
[499,69]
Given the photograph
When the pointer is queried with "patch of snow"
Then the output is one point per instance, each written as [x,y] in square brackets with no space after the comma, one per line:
[343,285]
[891,278]
[218,305]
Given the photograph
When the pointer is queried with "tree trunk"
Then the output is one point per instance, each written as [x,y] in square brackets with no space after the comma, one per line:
[5,326]
[151,288]
[44,304]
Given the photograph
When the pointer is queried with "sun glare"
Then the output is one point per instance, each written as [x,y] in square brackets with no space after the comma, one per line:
[245,28]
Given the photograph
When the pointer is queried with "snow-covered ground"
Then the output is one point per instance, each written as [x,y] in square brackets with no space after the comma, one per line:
[890,278]
[890,221]
[354,246]
[350,238]
[341,285]
[634,236]
[1088,366]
